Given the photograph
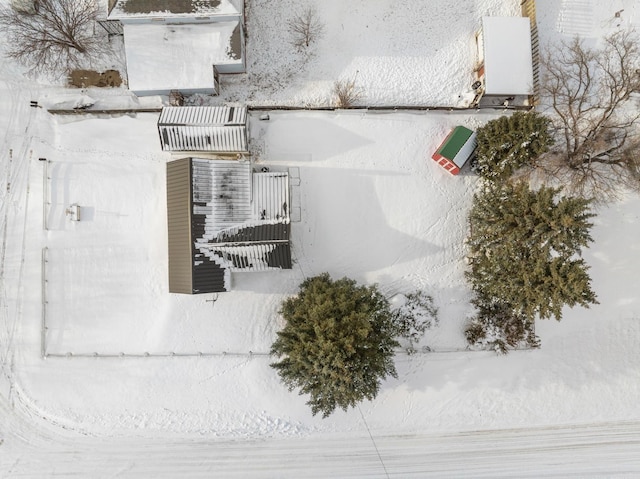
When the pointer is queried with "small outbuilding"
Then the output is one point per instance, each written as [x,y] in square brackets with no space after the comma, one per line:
[223,217]
[212,129]
[505,62]
[456,149]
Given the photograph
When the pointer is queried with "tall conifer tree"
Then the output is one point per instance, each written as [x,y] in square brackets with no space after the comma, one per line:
[510,142]
[525,249]
[337,343]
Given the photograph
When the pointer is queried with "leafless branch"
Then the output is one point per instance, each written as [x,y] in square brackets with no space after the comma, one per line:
[598,142]
[305,28]
[51,36]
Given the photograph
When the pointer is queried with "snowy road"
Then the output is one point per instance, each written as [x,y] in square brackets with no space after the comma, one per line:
[597,450]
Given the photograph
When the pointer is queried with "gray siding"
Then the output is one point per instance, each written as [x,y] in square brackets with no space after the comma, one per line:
[179,225]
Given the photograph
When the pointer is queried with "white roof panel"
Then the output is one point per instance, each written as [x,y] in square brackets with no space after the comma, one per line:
[203,115]
[221,129]
[177,57]
[467,149]
[271,196]
[221,192]
[507,55]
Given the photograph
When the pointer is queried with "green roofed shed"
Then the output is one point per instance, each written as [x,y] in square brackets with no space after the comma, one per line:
[456,149]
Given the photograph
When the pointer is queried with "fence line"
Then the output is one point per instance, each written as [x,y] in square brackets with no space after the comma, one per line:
[528,9]
[249,354]
[223,354]
[43,325]
[45,194]
[102,111]
[372,108]
[389,108]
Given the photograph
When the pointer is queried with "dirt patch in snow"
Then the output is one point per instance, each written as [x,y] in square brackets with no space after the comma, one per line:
[87,78]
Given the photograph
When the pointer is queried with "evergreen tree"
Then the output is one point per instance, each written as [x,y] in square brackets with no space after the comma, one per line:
[337,343]
[510,142]
[525,247]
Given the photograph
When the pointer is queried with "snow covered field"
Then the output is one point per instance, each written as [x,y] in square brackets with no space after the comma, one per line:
[373,207]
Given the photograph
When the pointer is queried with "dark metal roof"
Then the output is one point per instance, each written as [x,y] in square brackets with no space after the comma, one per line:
[256,247]
[280,257]
[255,256]
[208,275]
[260,233]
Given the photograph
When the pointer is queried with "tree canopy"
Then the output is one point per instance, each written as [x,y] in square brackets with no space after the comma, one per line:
[337,343]
[591,94]
[51,36]
[511,142]
[525,249]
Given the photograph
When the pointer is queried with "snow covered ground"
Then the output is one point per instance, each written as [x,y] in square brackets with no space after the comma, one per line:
[373,207]
[400,53]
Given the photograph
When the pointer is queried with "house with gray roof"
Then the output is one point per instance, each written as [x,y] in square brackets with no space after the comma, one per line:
[224,217]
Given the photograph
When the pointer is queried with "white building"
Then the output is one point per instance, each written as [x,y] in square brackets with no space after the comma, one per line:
[181,45]
[213,129]
[505,62]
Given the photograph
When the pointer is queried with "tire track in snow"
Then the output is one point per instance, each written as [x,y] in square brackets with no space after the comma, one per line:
[611,449]
[12,202]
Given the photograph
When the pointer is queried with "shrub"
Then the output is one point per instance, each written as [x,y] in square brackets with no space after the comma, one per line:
[499,327]
[346,92]
[305,27]
[412,319]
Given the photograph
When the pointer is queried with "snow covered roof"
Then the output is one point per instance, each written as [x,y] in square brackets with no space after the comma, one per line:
[271,196]
[235,201]
[124,9]
[221,193]
[161,57]
[220,129]
[507,55]
[234,220]
[255,256]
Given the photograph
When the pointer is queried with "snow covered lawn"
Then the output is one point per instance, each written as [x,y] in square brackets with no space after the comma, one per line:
[373,206]
[407,53]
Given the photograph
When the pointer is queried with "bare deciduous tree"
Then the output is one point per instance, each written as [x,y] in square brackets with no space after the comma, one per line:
[305,28]
[51,36]
[347,93]
[597,137]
